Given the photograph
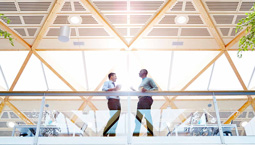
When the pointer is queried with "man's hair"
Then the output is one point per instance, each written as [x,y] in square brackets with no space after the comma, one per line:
[145,71]
[110,74]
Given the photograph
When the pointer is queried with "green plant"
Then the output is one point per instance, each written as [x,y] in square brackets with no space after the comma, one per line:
[5,34]
[247,42]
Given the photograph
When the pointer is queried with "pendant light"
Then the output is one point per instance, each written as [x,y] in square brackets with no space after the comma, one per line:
[64,34]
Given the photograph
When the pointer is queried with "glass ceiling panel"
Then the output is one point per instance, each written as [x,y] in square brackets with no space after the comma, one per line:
[11,62]
[32,78]
[223,77]
[244,65]
[186,65]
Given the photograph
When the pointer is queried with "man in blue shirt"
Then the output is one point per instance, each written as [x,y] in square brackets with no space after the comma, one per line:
[113,105]
[144,104]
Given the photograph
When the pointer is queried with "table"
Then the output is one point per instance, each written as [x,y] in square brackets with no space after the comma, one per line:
[203,130]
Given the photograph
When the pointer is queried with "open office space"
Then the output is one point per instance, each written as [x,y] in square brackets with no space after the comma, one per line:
[125,72]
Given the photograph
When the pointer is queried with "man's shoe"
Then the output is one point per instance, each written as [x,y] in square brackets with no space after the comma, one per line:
[105,135]
[112,134]
[136,134]
[150,134]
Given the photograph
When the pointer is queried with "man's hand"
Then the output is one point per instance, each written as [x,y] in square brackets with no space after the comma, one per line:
[118,87]
[143,89]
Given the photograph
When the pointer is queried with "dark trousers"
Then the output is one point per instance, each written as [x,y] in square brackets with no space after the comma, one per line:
[115,108]
[144,109]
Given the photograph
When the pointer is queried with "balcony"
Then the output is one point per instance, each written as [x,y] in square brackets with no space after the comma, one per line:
[180,117]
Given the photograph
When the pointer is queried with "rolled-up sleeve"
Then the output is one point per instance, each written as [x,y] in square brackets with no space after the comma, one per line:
[153,85]
[105,87]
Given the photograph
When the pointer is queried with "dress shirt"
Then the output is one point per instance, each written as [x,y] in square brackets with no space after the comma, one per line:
[108,85]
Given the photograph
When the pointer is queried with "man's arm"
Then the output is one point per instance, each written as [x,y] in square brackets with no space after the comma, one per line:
[153,85]
[106,87]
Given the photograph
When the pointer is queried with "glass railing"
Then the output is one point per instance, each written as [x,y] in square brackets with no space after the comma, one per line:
[171,116]
[239,115]
[19,117]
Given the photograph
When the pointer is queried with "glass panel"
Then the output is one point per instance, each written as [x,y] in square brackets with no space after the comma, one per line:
[244,65]
[32,78]
[20,117]
[63,118]
[68,65]
[11,62]
[184,71]
[241,121]
[184,117]
[201,83]
[224,80]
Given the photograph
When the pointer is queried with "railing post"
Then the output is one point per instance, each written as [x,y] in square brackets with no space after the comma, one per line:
[218,119]
[129,135]
[39,122]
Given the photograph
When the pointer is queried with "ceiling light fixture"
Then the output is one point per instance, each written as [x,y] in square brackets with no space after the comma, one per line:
[181,19]
[64,34]
[10,124]
[75,19]
[243,124]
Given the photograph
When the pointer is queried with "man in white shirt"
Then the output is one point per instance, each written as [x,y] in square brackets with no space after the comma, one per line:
[113,105]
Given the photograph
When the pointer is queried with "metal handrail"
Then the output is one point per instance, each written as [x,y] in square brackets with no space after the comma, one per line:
[124,93]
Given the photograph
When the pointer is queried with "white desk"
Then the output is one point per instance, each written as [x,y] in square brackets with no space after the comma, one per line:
[30,130]
[213,128]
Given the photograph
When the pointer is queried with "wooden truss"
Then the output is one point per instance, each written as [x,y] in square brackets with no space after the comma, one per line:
[33,49]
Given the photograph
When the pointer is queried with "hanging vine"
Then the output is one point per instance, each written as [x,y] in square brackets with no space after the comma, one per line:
[5,34]
[247,42]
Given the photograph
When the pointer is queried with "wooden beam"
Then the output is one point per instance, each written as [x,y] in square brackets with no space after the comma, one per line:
[102,20]
[62,78]
[19,113]
[54,71]
[15,35]
[235,70]
[156,18]
[253,104]
[21,70]
[164,106]
[207,19]
[242,84]
[238,112]
[2,106]
[51,17]
[201,72]
[236,39]
[83,105]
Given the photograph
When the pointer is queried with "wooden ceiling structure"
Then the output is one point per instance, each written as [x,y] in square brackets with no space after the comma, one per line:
[209,21]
